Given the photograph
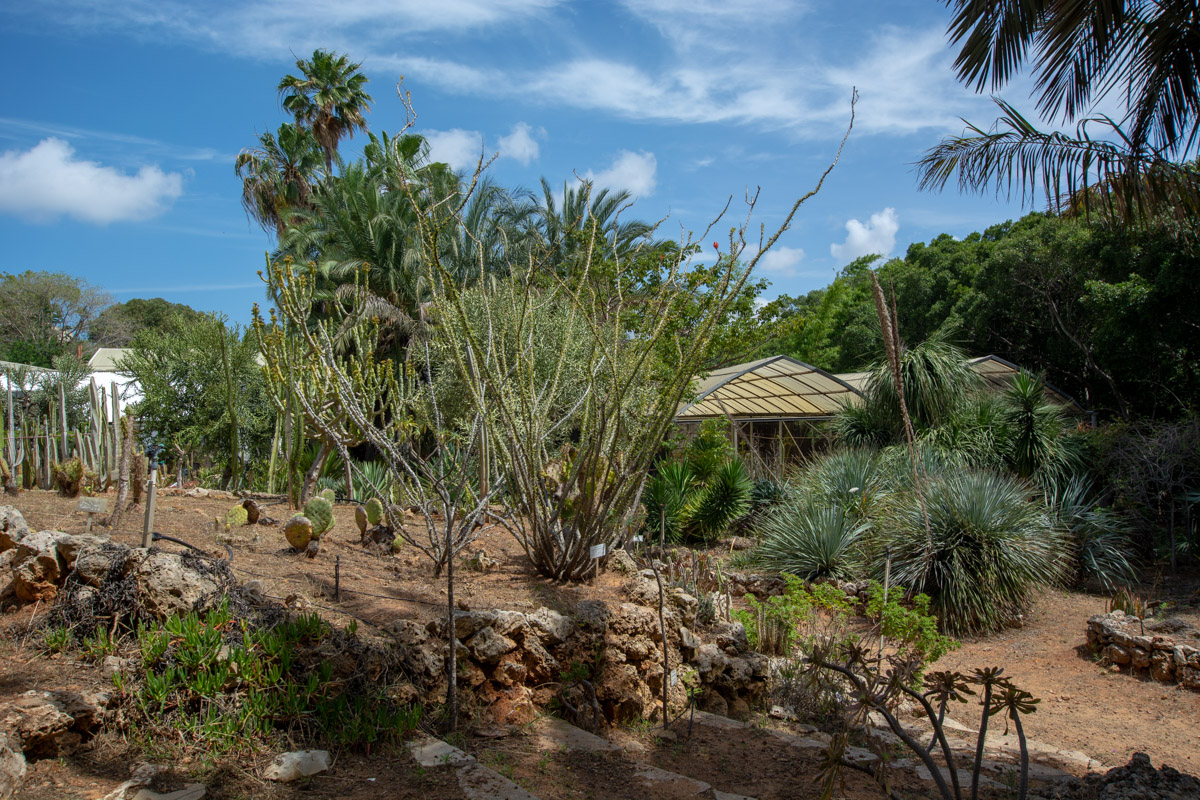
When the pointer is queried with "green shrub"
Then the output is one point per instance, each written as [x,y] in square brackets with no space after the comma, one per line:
[812,541]
[987,549]
[913,629]
[696,499]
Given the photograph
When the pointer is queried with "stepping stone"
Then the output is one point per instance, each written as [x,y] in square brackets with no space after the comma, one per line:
[557,734]
[436,753]
[476,781]
[661,783]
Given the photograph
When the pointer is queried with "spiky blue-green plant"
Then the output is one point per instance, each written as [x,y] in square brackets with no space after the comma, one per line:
[724,499]
[1102,544]
[811,540]
[988,548]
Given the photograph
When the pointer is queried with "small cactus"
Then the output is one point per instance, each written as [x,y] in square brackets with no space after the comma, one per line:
[236,517]
[360,518]
[374,509]
[328,494]
[299,531]
[320,512]
[252,511]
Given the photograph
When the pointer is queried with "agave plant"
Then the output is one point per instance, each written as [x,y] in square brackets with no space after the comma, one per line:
[987,549]
[1103,548]
[371,479]
[812,540]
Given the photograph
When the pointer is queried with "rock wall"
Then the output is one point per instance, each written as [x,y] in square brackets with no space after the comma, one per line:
[1127,642]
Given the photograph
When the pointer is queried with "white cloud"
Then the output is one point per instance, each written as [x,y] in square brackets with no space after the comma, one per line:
[48,181]
[458,148]
[781,261]
[877,235]
[636,172]
[520,144]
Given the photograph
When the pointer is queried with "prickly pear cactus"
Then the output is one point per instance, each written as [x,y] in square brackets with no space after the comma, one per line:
[360,518]
[253,512]
[320,512]
[374,509]
[299,531]
[328,494]
[236,517]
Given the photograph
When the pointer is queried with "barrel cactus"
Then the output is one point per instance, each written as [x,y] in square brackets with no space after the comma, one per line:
[374,509]
[299,531]
[320,512]
[236,517]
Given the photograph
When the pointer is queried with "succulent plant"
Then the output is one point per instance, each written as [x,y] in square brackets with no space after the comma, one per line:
[298,531]
[374,509]
[236,517]
[328,494]
[360,518]
[252,511]
[320,512]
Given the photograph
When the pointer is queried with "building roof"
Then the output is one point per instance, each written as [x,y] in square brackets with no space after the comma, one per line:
[778,387]
[105,359]
[781,387]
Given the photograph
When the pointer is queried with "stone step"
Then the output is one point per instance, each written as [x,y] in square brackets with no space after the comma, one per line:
[655,782]
[476,781]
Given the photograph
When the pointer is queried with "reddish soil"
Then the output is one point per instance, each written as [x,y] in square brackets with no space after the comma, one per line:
[1084,706]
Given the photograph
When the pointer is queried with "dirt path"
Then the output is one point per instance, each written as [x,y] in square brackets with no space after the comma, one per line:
[1084,706]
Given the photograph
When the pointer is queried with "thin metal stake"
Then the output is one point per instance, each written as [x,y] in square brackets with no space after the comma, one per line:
[148,528]
[337,579]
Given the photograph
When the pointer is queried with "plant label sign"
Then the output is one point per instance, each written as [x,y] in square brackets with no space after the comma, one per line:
[93,505]
[598,550]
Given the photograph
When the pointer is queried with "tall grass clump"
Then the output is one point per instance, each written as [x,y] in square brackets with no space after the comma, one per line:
[986,550]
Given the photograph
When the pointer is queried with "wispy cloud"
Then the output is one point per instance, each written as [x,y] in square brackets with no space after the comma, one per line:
[875,236]
[781,262]
[635,172]
[521,145]
[145,146]
[456,147]
[48,181]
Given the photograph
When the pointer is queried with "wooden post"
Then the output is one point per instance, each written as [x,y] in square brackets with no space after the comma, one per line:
[148,528]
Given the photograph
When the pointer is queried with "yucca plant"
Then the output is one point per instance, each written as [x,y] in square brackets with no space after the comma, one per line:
[371,479]
[1036,430]
[664,499]
[987,548]
[1101,538]
[812,540]
[849,480]
[724,499]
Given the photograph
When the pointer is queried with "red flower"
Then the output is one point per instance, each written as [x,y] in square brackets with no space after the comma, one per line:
[716,246]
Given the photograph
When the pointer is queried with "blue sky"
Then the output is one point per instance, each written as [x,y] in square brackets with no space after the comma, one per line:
[122,120]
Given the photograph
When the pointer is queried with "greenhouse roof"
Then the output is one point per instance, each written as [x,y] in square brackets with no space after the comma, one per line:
[784,388]
[778,387]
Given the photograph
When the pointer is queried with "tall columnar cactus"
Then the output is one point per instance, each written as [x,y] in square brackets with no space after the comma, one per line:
[320,513]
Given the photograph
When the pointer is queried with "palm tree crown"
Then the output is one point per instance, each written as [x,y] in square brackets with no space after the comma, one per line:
[329,98]
[277,176]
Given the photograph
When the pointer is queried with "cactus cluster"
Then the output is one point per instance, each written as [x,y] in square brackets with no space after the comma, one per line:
[236,517]
[320,513]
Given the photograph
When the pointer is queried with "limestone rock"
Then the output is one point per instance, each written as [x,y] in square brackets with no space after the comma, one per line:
[298,764]
[620,561]
[48,724]
[69,546]
[488,646]
[12,766]
[37,570]
[167,585]
[552,628]
[13,527]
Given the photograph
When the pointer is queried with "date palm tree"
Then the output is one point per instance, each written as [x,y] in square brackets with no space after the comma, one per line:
[1081,52]
[278,176]
[328,97]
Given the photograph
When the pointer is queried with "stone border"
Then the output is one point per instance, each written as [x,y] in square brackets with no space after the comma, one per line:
[1120,640]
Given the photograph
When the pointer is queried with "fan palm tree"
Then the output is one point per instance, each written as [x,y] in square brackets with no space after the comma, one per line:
[566,227]
[1081,51]
[278,176]
[329,98]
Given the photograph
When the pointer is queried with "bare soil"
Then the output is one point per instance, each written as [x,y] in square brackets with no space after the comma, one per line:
[1084,706]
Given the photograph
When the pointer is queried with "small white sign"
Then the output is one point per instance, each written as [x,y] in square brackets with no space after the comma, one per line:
[637,540]
[598,550]
[674,678]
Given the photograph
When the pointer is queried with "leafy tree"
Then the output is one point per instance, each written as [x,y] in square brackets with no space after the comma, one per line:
[42,315]
[1148,51]
[203,391]
[117,325]
[328,97]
